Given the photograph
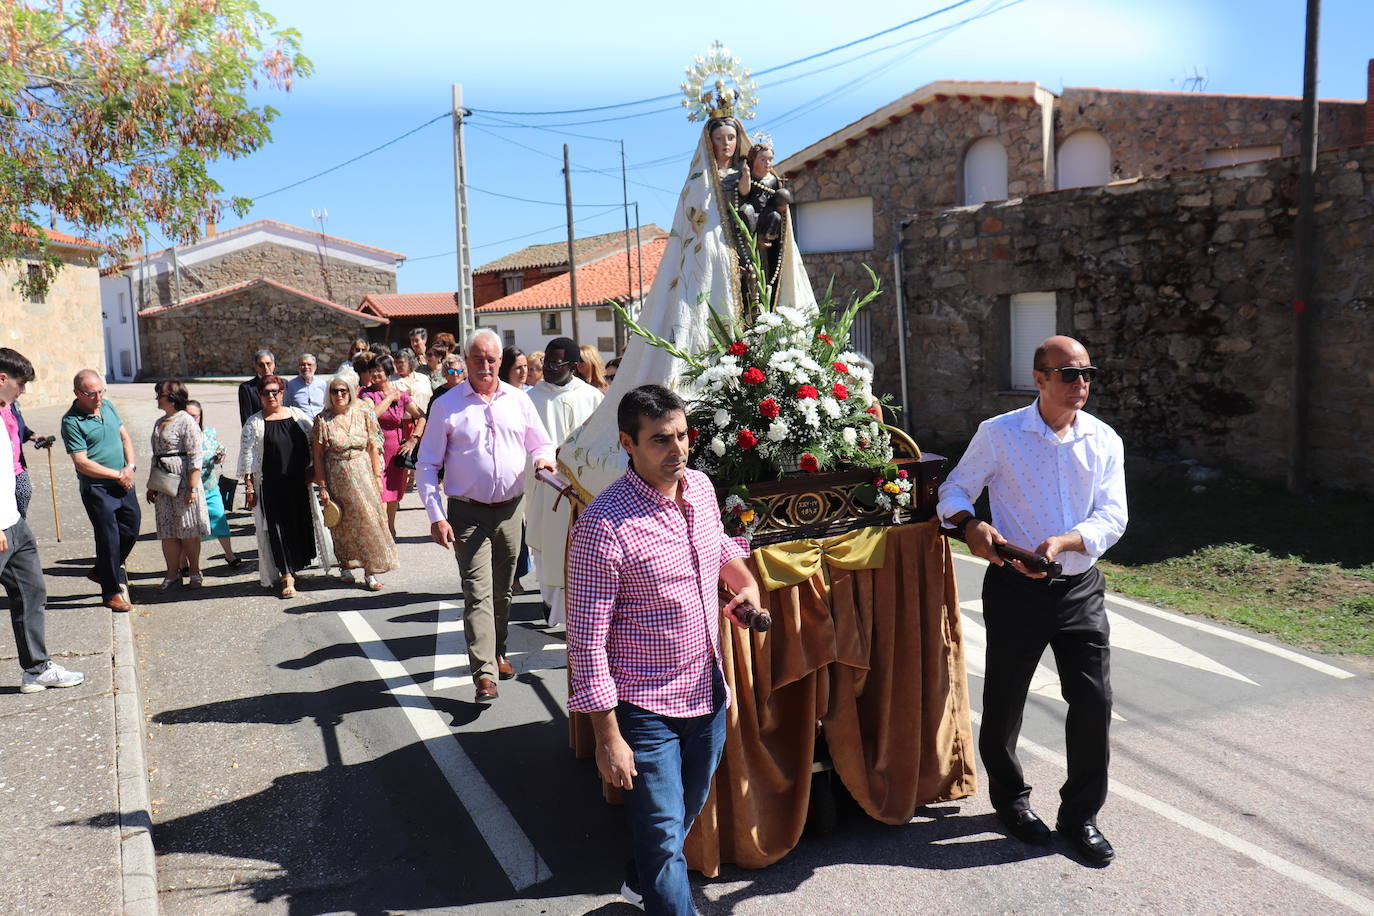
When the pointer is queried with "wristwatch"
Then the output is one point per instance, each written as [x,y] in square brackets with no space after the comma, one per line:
[963,525]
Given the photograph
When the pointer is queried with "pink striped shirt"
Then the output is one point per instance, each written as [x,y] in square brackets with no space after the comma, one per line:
[643,609]
[482,447]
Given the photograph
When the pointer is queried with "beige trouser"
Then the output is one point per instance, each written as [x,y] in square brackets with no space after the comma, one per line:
[487,546]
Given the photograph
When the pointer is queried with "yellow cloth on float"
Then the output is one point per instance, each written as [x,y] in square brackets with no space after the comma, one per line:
[783,565]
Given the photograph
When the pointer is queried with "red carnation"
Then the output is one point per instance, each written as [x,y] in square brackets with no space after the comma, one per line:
[808,391]
[841,392]
[768,408]
[873,409]
[901,475]
[840,367]
[692,436]
[752,376]
[738,348]
[809,464]
[746,439]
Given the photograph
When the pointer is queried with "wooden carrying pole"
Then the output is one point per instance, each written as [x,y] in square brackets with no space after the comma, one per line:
[572,258]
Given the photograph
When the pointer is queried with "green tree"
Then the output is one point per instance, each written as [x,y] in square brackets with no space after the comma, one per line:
[112,110]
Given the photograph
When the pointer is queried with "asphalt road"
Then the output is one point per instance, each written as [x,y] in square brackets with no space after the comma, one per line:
[323,755]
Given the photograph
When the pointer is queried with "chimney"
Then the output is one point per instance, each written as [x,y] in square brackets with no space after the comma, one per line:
[1369,106]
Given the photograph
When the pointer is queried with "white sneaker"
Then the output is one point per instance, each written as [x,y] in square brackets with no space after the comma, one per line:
[52,676]
[631,896]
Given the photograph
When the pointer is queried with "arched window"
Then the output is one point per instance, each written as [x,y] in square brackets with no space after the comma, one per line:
[1085,160]
[985,171]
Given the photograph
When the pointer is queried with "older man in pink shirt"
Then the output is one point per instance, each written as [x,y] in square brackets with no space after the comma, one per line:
[482,433]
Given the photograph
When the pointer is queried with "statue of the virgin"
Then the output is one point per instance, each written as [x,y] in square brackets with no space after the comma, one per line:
[706,273]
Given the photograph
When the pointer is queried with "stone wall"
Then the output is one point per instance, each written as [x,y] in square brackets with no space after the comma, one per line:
[1154,133]
[220,337]
[329,278]
[61,335]
[1181,288]
[911,165]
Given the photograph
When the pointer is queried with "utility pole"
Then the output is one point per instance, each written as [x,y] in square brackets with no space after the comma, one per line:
[572,259]
[629,272]
[466,320]
[639,256]
[1305,261]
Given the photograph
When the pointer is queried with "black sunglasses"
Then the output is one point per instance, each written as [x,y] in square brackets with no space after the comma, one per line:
[271,392]
[1071,374]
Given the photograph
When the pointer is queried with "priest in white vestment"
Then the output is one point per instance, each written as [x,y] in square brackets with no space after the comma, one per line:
[564,402]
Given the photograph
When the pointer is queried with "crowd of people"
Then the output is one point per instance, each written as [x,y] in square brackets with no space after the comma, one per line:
[323,465]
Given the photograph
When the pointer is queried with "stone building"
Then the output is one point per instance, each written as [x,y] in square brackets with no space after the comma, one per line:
[1178,241]
[60,332]
[537,263]
[318,279]
[435,312]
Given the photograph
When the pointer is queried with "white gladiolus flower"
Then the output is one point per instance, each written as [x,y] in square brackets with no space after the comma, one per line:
[718,447]
[777,431]
[722,417]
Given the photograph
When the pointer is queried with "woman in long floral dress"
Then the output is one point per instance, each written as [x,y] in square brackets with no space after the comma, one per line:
[348,470]
[393,407]
[182,520]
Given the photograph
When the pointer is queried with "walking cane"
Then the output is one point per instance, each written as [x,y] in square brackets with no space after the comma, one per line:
[57,520]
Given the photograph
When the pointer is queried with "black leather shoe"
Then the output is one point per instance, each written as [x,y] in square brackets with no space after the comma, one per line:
[1026,826]
[1089,842]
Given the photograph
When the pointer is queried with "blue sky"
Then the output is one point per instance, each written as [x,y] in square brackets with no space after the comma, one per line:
[382,71]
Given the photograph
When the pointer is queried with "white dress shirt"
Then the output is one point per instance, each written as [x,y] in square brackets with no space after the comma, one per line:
[1040,485]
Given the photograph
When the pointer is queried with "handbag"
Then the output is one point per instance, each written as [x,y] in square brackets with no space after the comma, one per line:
[402,460]
[161,480]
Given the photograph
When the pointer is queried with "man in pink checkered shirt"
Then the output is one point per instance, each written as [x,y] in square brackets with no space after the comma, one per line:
[644,639]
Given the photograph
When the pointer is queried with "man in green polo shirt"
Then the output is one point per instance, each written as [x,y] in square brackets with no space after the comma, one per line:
[104,457]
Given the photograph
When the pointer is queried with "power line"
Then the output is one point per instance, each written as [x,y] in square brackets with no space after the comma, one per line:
[516,238]
[791,63]
[559,159]
[526,200]
[356,158]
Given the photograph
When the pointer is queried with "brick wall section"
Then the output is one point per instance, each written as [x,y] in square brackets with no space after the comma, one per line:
[489,287]
[1154,133]
[911,165]
[219,337]
[1369,106]
[329,278]
[1180,288]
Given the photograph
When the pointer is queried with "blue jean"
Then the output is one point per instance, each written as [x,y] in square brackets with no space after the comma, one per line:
[676,759]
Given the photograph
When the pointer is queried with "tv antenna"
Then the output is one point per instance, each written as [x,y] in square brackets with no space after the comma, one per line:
[1196,81]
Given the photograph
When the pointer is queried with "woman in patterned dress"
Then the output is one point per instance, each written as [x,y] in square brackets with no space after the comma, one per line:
[182,520]
[348,470]
[212,456]
[393,406]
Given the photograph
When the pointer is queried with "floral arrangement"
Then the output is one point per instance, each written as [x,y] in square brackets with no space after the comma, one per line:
[781,393]
[890,490]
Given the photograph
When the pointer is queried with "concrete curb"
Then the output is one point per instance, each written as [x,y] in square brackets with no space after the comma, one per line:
[138,860]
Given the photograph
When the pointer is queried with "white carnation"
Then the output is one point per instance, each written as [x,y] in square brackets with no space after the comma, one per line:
[851,437]
[722,417]
[777,430]
[831,407]
[717,446]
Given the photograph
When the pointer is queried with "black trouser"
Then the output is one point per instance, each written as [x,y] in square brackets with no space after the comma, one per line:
[21,575]
[1023,616]
[115,518]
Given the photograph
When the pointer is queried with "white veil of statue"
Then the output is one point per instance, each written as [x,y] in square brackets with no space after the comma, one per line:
[698,274]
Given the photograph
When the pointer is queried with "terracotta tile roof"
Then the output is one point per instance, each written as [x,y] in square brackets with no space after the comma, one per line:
[262,281]
[556,253]
[56,237]
[597,281]
[410,305]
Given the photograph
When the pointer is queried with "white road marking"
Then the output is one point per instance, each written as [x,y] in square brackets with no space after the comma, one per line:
[1133,637]
[1192,623]
[450,649]
[1044,682]
[1294,872]
[497,826]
